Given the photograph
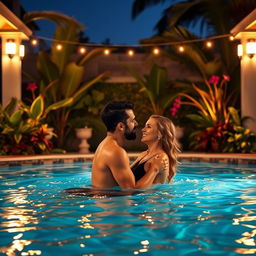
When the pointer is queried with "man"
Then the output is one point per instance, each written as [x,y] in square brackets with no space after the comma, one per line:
[111,166]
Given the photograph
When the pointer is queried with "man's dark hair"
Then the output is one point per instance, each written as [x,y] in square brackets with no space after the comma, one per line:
[114,112]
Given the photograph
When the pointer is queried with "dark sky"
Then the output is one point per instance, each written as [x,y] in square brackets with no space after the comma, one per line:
[101,18]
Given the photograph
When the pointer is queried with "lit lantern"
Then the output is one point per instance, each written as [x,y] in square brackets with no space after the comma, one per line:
[22,51]
[240,50]
[251,48]
[10,48]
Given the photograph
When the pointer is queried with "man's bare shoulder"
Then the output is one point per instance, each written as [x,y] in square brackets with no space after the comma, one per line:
[110,149]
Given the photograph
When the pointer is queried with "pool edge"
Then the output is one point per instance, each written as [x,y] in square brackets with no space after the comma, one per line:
[72,158]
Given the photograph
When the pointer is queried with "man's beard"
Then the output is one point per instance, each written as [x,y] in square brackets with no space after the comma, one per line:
[130,135]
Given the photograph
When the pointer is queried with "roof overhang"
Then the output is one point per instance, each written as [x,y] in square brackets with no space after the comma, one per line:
[245,26]
[11,24]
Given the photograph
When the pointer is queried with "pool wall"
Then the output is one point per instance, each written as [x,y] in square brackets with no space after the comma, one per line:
[73,158]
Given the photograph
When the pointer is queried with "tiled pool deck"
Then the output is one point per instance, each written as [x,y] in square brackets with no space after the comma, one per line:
[71,158]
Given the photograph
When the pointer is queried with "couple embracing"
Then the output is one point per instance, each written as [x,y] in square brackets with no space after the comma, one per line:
[157,165]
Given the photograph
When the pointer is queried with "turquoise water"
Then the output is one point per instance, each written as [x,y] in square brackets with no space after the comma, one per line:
[210,209]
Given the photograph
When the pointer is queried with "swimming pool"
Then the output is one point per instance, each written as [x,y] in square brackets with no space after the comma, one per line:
[210,209]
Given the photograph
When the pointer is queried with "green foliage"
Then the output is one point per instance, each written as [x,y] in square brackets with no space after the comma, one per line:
[155,88]
[218,127]
[211,102]
[61,77]
[23,131]
[239,138]
[87,111]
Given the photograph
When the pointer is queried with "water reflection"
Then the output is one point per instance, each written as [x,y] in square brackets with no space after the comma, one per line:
[18,218]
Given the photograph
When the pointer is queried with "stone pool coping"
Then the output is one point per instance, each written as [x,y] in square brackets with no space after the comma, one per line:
[75,157]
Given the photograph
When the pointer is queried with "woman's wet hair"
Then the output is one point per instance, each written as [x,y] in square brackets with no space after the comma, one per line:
[114,112]
[168,142]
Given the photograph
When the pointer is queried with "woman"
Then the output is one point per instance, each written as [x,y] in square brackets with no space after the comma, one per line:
[159,135]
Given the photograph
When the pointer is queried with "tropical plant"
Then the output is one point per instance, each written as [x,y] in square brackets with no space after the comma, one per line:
[210,139]
[155,87]
[218,127]
[211,102]
[88,111]
[61,77]
[239,138]
[24,131]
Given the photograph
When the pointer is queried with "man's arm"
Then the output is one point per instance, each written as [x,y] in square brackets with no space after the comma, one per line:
[119,166]
[153,169]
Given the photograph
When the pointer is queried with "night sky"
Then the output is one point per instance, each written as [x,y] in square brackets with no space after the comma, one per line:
[101,18]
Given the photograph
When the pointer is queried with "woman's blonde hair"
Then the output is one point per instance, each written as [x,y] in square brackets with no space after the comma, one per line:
[168,142]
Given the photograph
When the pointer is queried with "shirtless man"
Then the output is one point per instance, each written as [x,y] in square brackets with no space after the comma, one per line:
[111,165]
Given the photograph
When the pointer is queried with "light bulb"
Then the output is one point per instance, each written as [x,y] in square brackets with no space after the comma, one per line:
[82,50]
[106,52]
[130,52]
[156,51]
[181,49]
[34,42]
[59,47]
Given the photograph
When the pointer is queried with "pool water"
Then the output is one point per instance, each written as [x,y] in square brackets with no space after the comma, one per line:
[210,209]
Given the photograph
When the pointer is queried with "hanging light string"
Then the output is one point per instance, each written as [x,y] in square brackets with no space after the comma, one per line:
[135,45]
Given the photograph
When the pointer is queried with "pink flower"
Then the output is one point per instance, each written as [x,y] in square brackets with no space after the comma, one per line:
[214,79]
[31,87]
[226,77]
[173,111]
[176,105]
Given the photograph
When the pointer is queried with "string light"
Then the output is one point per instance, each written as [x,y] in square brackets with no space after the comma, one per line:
[106,51]
[156,51]
[231,38]
[138,45]
[34,42]
[59,47]
[130,52]
[82,50]
[209,44]
[181,49]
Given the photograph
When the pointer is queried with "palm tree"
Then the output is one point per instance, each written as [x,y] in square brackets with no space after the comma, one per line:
[208,13]
[216,17]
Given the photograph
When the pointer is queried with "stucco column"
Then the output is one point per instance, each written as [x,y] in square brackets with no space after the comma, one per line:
[11,72]
[248,86]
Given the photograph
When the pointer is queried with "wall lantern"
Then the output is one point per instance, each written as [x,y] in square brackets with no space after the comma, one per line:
[22,51]
[10,48]
[240,50]
[251,48]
